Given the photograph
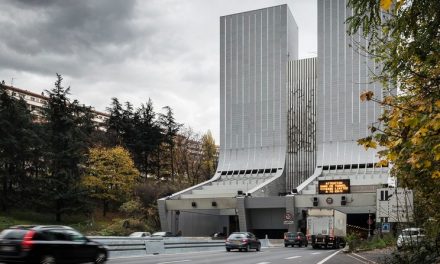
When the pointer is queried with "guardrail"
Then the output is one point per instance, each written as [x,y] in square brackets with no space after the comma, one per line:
[127,246]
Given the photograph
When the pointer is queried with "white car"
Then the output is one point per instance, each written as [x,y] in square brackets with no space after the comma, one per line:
[410,237]
[140,234]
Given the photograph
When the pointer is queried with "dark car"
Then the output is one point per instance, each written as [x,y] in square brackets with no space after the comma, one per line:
[292,239]
[48,245]
[242,241]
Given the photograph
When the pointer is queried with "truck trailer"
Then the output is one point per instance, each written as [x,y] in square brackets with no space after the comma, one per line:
[326,228]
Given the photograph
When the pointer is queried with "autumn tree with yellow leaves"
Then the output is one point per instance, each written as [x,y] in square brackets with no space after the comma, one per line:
[404,39]
[110,175]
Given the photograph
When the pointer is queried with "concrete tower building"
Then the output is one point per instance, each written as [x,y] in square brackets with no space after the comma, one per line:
[266,109]
[287,126]
[255,47]
[343,73]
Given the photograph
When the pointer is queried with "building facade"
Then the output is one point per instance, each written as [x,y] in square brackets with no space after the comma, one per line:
[36,103]
[289,129]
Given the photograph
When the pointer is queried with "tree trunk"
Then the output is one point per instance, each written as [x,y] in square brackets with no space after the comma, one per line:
[59,206]
[172,163]
[104,208]
[4,193]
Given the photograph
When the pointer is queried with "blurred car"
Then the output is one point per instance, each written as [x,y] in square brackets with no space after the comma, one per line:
[162,234]
[218,235]
[242,241]
[140,234]
[49,244]
[410,237]
[295,238]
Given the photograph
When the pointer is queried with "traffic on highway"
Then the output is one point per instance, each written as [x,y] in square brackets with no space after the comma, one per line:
[276,255]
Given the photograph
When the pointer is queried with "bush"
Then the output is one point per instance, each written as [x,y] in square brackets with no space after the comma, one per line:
[375,242]
[123,227]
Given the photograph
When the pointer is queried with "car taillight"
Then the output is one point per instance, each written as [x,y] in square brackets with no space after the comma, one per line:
[298,237]
[27,242]
[244,240]
[331,238]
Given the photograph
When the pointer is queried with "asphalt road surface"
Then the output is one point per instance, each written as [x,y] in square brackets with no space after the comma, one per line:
[265,256]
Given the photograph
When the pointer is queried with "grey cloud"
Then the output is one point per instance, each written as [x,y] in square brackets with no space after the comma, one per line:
[78,32]
[167,50]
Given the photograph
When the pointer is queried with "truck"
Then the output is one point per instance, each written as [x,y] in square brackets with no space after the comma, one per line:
[326,228]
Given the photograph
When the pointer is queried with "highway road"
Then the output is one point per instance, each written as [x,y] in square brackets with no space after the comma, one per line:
[265,256]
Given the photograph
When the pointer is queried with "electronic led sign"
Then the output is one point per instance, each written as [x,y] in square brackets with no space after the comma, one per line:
[334,186]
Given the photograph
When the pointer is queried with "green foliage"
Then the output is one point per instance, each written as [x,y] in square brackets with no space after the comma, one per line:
[404,39]
[18,142]
[109,175]
[46,157]
[66,134]
[354,242]
[171,127]
[209,155]
[123,227]
[133,209]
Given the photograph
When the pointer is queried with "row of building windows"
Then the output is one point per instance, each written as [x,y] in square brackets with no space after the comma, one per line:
[350,166]
[255,171]
[29,98]
[23,96]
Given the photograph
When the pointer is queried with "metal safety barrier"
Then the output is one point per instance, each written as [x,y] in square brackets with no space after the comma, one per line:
[127,246]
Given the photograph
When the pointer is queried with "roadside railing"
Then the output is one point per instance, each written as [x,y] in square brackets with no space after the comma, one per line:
[127,246]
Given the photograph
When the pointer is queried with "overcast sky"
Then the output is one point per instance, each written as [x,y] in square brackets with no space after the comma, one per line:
[166,50]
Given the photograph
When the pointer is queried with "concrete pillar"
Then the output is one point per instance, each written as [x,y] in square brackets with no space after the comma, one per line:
[241,211]
[162,208]
[290,208]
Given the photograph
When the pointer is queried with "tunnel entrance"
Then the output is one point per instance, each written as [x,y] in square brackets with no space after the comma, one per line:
[361,224]
[271,233]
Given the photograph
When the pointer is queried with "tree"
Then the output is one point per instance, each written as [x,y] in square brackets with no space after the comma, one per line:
[189,158]
[171,128]
[209,155]
[404,39]
[110,175]
[148,138]
[66,144]
[18,141]
[114,123]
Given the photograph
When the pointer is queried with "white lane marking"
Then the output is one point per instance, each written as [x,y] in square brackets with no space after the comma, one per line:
[359,256]
[176,261]
[263,262]
[329,257]
[316,253]
[357,259]
[294,257]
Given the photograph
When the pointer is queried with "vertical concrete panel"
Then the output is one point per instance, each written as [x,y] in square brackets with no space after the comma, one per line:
[241,211]
[255,56]
[343,74]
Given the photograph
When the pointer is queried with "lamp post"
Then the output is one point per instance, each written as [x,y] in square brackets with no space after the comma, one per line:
[369,224]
